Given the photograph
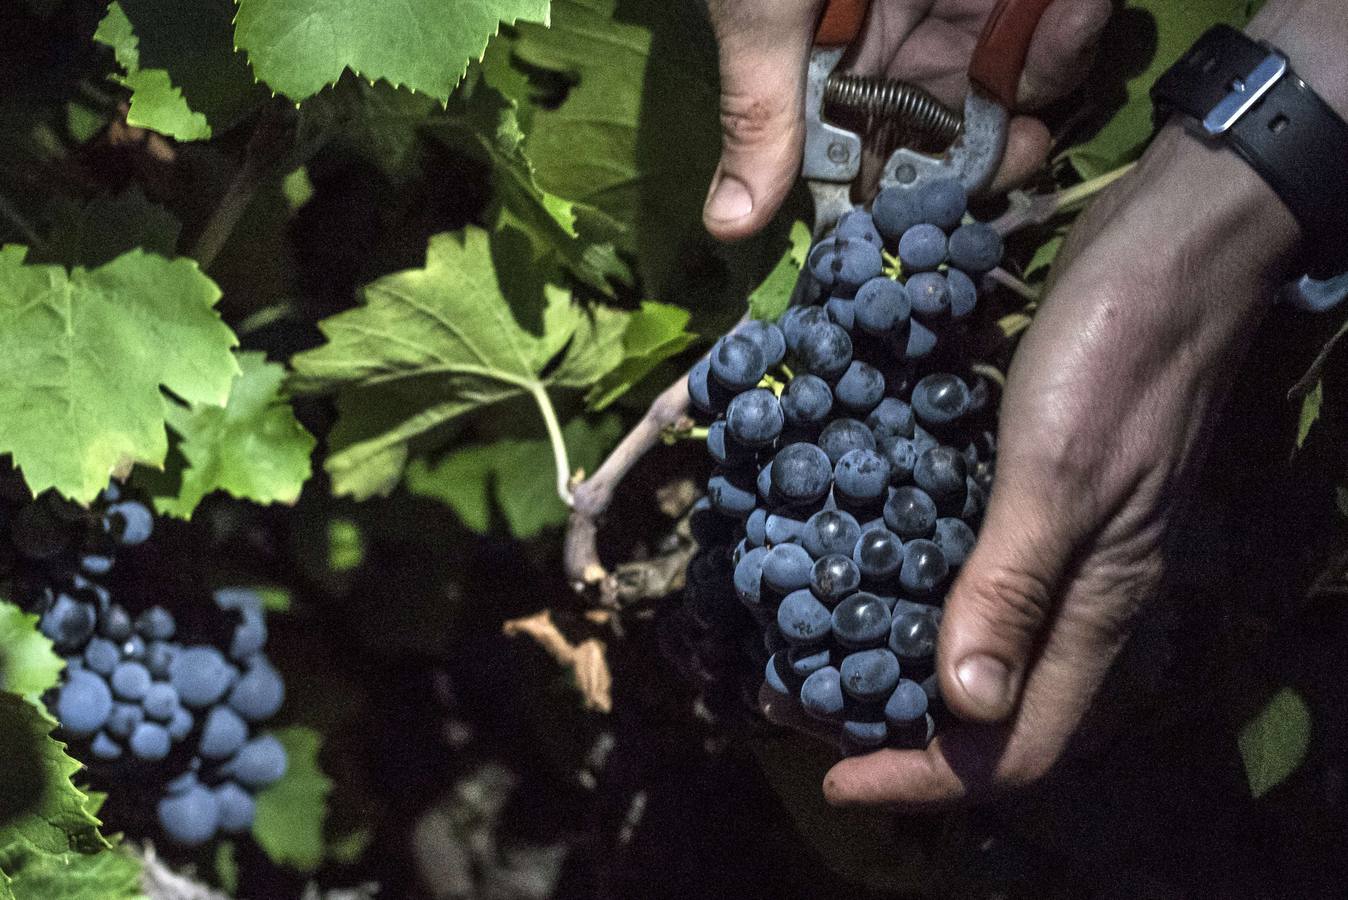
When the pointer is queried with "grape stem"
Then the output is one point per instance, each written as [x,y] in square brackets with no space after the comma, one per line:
[1036,209]
[560,458]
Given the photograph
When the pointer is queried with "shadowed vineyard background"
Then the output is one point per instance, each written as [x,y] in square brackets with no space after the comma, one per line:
[329,289]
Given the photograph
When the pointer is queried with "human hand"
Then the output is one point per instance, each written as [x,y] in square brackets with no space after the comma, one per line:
[764,52]
[1102,425]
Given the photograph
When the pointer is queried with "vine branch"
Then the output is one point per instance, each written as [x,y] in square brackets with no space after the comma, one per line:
[1036,209]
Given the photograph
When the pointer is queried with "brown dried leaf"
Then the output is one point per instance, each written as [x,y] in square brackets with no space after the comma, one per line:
[585,659]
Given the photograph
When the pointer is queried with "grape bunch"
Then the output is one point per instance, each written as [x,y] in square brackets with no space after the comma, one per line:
[853,461]
[145,697]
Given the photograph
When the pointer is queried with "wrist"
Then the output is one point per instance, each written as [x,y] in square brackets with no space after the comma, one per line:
[1313,34]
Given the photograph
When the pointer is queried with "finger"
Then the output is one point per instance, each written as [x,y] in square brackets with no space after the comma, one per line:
[764,48]
[1028,143]
[1061,50]
[999,604]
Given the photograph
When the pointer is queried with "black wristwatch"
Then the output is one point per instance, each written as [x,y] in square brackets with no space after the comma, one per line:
[1234,89]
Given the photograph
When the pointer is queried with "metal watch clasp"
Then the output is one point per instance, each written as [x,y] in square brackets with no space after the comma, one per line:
[1245,93]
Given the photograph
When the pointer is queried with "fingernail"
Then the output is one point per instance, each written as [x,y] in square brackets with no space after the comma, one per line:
[729,200]
[987,682]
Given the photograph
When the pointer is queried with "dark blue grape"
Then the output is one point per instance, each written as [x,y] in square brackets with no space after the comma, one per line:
[237,808]
[239,599]
[882,306]
[801,473]
[706,394]
[821,695]
[69,623]
[763,483]
[124,718]
[130,680]
[732,493]
[975,501]
[802,619]
[834,577]
[921,341]
[133,648]
[779,529]
[976,248]
[830,531]
[200,675]
[910,513]
[155,624]
[842,312]
[806,401]
[825,350]
[956,540]
[906,704]
[772,674]
[159,656]
[160,701]
[860,389]
[895,210]
[860,621]
[912,636]
[258,763]
[718,448]
[756,527]
[941,472]
[924,567]
[930,295]
[149,742]
[854,263]
[922,247]
[892,418]
[769,339]
[857,224]
[96,563]
[878,554]
[861,477]
[83,703]
[869,675]
[180,724]
[191,817]
[901,454]
[864,733]
[786,568]
[737,363]
[940,399]
[942,202]
[924,439]
[841,436]
[222,733]
[797,320]
[963,293]
[740,549]
[821,263]
[101,655]
[133,522]
[805,661]
[258,693]
[115,624]
[105,748]
[754,418]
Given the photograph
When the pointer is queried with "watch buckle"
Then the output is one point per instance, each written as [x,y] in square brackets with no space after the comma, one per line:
[1245,93]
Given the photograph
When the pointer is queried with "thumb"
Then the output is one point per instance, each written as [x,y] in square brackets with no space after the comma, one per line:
[999,605]
[764,48]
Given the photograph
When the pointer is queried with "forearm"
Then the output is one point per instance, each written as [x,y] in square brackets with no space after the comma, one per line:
[1314,35]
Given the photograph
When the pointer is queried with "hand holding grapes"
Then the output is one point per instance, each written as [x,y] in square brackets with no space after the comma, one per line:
[764,49]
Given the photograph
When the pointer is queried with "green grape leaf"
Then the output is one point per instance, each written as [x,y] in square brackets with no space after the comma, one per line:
[84,353]
[252,448]
[654,333]
[106,227]
[28,665]
[1045,254]
[1140,42]
[40,809]
[769,300]
[430,344]
[186,79]
[643,106]
[477,480]
[298,46]
[1274,742]
[106,875]
[377,122]
[290,814]
[1310,412]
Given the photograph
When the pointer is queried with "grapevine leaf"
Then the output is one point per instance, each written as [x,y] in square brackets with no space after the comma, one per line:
[1274,742]
[289,821]
[40,809]
[655,333]
[487,125]
[28,665]
[1310,412]
[478,479]
[186,79]
[108,226]
[298,46]
[646,118]
[431,344]
[769,299]
[377,122]
[107,875]
[1045,253]
[1162,29]
[83,355]
[252,448]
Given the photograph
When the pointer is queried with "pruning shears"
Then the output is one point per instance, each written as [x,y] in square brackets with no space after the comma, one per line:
[975,140]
